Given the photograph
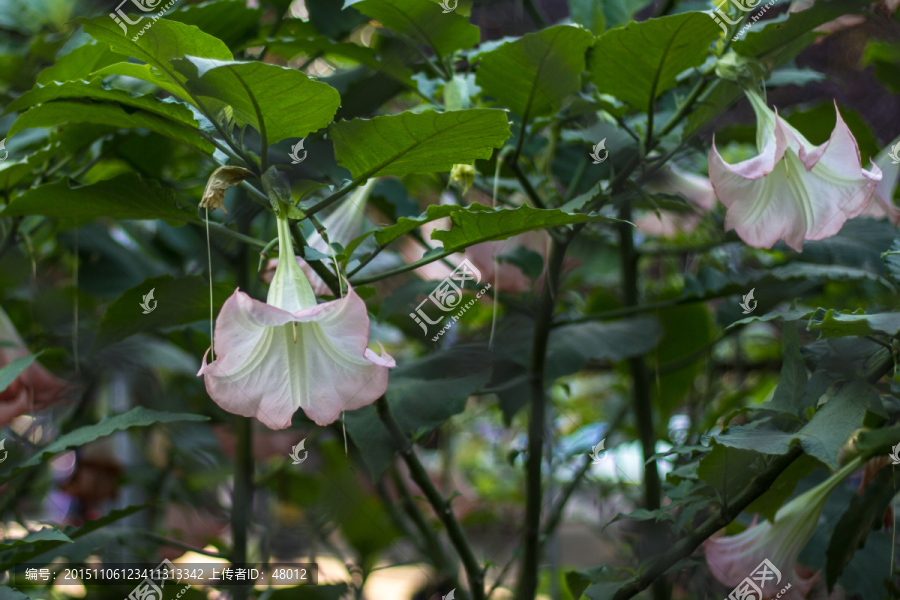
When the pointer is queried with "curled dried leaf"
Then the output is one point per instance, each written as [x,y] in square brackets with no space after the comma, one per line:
[222,179]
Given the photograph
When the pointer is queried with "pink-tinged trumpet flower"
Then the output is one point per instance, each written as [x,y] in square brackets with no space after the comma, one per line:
[669,179]
[34,389]
[342,225]
[735,558]
[792,190]
[275,357]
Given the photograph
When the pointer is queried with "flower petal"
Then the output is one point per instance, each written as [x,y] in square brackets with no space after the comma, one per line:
[261,371]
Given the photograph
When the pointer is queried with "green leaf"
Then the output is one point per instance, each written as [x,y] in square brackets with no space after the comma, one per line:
[892,260]
[788,28]
[642,514]
[588,14]
[768,504]
[179,301]
[834,324]
[277,101]
[417,143]
[728,470]
[864,514]
[478,223]
[38,538]
[791,390]
[422,395]
[534,74]
[9,373]
[56,539]
[136,417]
[822,437]
[63,112]
[127,196]
[79,63]
[289,48]
[885,60]
[96,90]
[231,21]
[8,593]
[145,73]
[638,62]
[157,46]
[579,581]
[422,20]
[332,19]
[686,331]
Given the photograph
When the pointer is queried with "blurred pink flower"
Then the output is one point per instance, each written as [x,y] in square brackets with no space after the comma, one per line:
[793,190]
[510,277]
[669,179]
[275,357]
[734,558]
[34,389]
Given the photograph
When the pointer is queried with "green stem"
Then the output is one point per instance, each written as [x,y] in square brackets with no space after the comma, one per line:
[441,506]
[528,575]
[242,497]
[643,407]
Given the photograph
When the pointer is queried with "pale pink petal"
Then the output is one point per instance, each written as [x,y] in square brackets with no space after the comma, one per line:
[260,371]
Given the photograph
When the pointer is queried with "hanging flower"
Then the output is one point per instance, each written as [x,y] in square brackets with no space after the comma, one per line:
[793,190]
[275,357]
[342,225]
[34,389]
[882,204]
[732,559]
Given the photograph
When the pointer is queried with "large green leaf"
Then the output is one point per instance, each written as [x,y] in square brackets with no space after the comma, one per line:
[97,91]
[788,28]
[157,46]
[231,21]
[177,301]
[536,73]
[136,417]
[422,395]
[277,101]
[417,143]
[638,62]
[79,63]
[144,72]
[127,196]
[822,437]
[422,20]
[791,390]
[9,373]
[479,223]
[63,112]
[834,324]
